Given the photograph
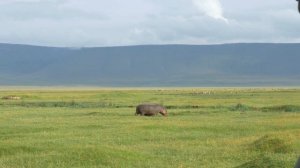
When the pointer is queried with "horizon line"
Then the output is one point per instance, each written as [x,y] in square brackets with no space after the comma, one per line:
[137,45]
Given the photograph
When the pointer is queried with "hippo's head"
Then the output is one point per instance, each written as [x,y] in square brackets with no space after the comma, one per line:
[164,112]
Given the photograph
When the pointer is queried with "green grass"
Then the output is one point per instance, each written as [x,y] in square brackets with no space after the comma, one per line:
[97,128]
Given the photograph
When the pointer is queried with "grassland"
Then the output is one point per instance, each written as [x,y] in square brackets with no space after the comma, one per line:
[97,128]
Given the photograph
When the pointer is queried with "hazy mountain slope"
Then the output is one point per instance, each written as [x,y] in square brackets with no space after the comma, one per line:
[169,65]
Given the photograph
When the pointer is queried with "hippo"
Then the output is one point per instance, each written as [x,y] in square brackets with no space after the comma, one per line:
[150,110]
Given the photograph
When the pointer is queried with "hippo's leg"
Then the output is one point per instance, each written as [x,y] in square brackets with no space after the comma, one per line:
[298,162]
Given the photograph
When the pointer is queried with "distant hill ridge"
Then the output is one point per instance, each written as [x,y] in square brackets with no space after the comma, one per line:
[241,64]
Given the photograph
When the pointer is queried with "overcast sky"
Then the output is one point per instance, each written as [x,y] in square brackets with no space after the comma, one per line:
[82,23]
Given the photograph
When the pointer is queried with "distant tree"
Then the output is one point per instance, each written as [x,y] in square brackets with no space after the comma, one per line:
[298,5]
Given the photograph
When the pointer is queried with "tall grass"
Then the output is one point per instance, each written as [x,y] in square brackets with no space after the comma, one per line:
[226,128]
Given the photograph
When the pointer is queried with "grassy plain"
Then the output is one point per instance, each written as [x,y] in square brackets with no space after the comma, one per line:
[206,127]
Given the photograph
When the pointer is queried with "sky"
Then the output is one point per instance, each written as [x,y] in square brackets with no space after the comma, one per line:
[87,23]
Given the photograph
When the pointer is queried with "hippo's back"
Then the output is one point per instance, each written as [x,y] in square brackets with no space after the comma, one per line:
[149,109]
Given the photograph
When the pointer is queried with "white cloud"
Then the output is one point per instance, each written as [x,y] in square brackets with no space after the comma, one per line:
[77,23]
[212,8]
